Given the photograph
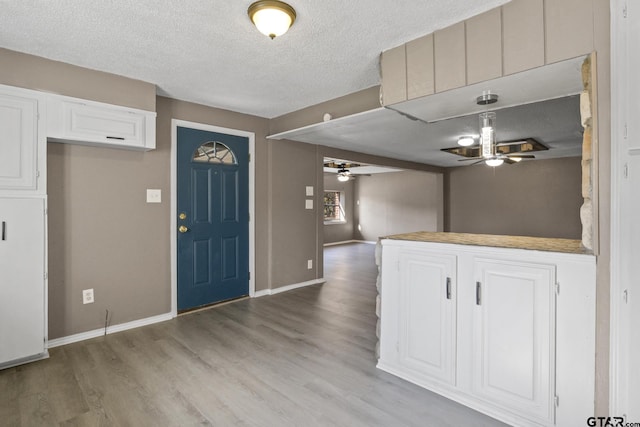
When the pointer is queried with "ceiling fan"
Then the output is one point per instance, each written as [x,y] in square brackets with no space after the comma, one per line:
[488,150]
[344,174]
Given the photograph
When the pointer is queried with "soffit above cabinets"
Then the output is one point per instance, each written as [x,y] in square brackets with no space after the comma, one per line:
[542,103]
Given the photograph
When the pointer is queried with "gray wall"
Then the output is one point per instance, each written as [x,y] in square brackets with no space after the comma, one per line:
[398,202]
[540,198]
[340,232]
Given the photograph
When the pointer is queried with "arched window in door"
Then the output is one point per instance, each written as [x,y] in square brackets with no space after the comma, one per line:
[214,152]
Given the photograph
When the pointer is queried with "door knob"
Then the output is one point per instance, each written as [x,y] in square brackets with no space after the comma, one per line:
[183,229]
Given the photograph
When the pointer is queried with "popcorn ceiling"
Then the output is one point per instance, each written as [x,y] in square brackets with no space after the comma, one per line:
[209,52]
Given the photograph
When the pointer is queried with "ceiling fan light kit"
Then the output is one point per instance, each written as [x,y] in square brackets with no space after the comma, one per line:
[271,17]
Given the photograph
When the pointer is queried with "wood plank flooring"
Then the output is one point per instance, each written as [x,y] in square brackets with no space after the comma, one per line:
[300,358]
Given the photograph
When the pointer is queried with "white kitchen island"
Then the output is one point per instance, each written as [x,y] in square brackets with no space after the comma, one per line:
[502,324]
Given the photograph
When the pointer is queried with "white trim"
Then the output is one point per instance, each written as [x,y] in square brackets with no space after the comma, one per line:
[174,201]
[23,360]
[618,346]
[286,288]
[110,330]
[368,242]
[344,242]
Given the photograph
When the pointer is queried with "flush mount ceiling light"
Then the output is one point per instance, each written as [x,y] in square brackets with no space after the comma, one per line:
[272,18]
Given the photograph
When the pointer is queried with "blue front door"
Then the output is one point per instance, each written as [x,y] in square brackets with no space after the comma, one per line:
[213,217]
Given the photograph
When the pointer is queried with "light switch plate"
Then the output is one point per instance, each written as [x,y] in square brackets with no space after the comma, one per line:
[154,196]
[309,190]
[308,204]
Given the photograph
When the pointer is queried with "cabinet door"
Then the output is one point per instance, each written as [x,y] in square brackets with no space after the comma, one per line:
[22,228]
[427,314]
[18,141]
[514,336]
[393,65]
[92,123]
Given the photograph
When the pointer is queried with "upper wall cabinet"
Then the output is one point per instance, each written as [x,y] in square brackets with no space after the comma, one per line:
[523,35]
[449,57]
[21,141]
[484,47]
[393,66]
[92,123]
[569,28]
[420,67]
[518,36]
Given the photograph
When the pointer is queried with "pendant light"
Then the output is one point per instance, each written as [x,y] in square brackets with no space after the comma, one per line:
[271,17]
[488,131]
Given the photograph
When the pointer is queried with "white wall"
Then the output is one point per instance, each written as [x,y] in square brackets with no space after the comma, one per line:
[397,202]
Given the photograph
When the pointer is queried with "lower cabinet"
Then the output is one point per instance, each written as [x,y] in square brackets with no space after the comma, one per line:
[481,326]
[22,280]
[513,336]
[427,343]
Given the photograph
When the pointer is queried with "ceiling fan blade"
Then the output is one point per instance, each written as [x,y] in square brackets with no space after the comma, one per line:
[469,159]
[479,161]
[509,161]
[521,156]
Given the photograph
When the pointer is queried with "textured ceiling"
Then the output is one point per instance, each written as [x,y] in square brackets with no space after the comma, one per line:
[209,52]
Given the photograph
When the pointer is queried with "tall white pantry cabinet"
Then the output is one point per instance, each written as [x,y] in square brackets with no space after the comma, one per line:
[27,119]
[23,282]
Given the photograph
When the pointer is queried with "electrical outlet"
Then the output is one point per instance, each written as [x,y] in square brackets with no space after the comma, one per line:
[87,296]
[309,264]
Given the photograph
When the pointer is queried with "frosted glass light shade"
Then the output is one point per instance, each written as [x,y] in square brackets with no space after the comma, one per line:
[494,162]
[343,177]
[272,18]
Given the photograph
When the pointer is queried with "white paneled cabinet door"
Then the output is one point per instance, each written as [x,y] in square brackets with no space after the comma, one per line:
[18,140]
[22,283]
[427,318]
[514,336]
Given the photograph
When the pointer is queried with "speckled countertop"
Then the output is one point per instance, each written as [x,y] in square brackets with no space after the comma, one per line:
[514,242]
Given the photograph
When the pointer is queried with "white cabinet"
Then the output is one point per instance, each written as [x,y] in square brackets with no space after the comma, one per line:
[93,123]
[508,332]
[427,325]
[514,332]
[22,280]
[19,141]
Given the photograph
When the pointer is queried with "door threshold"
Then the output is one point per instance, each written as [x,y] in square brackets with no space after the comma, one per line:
[212,305]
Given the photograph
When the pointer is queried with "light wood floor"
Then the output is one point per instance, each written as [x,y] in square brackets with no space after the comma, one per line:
[300,358]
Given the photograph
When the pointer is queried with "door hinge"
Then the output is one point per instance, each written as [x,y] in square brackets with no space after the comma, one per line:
[557,288]
[624,10]
[625,131]
[37,174]
[46,276]
[625,296]
[249,156]
[249,275]
[625,171]
[556,400]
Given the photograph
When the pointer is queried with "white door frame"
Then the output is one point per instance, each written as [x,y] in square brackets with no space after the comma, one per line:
[620,355]
[174,202]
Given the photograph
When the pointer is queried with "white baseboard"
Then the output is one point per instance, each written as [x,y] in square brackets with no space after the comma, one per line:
[262,293]
[287,288]
[110,330]
[344,242]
